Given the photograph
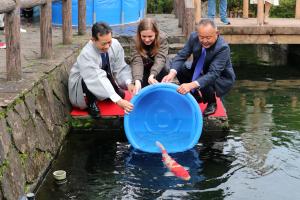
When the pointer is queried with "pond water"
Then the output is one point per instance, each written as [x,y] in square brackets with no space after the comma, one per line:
[259,158]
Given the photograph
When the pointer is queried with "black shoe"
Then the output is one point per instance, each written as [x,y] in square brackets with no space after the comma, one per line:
[93,110]
[210,109]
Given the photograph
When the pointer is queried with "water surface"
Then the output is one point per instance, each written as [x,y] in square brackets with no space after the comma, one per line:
[259,158]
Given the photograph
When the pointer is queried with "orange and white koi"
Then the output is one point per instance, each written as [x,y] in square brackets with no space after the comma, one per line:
[175,168]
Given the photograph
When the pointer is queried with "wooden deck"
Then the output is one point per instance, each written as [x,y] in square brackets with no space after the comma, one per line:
[244,31]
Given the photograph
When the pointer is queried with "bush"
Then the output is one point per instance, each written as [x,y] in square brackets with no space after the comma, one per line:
[159,6]
[286,9]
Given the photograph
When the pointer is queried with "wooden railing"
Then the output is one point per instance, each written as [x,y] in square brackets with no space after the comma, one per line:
[260,10]
[11,8]
[189,11]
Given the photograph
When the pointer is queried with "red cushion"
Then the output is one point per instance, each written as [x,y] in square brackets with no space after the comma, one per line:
[108,108]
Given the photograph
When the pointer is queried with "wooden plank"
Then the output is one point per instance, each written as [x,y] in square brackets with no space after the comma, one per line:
[81,17]
[13,50]
[67,21]
[7,6]
[46,29]
[262,39]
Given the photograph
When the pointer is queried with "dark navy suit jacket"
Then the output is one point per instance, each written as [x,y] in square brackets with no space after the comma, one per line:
[217,68]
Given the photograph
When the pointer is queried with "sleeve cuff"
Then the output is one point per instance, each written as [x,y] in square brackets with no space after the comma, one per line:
[197,83]
[128,81]
[173,70]
[115,97]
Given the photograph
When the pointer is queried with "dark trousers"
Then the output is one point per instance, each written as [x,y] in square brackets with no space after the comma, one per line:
[184,75]
[159,76]
[91,98]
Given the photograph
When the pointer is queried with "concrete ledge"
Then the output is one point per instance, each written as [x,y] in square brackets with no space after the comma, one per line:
[34,120]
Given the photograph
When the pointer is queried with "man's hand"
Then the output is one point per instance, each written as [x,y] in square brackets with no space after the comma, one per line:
[125,105]
[130,88]
[152,80]
[137,87]
[168,78]
[187,87]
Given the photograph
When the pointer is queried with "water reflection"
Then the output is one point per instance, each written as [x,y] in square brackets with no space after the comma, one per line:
[265,141]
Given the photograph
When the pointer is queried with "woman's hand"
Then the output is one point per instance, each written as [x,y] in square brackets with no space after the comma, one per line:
[152,80]
[168,78]
[137,87]
[130,88]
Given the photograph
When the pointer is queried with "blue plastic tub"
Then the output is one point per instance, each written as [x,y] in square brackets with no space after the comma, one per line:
[114,12]
[162,114]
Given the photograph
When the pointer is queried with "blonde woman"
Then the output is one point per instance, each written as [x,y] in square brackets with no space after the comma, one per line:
[149,56]
[268,5]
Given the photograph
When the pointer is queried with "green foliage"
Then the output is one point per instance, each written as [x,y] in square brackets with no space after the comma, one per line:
[286,9]
[3,167]
[159,6]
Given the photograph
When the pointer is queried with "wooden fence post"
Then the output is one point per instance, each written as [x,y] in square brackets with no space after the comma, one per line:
[260,12]
[67,21]
[46,29]
[180,12]
[13,49]
[175,8]
[81,17]
[197,5]
[297,12]
[188,25]
[245,9]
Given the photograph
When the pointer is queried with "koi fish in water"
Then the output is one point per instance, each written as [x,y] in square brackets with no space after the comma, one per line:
[178,170]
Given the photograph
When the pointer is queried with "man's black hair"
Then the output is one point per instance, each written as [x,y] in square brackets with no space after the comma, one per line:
[100,29]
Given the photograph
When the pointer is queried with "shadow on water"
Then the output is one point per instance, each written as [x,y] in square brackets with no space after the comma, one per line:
[258,159]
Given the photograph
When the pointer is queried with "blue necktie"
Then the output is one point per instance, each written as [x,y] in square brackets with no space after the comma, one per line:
[105,62]
[199,65]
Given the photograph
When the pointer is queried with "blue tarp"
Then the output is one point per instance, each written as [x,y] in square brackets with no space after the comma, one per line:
[113,12]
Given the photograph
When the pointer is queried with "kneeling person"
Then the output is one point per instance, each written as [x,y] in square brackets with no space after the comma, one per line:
[100,73]
[210,73]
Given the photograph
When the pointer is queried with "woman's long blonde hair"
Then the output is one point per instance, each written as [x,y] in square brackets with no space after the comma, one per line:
[147,24]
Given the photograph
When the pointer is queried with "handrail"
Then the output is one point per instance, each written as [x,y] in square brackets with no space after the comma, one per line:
[180,7]
[7,6]
[260,10]
[11,8]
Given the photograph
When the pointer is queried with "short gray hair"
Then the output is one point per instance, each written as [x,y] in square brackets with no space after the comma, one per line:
[207,21]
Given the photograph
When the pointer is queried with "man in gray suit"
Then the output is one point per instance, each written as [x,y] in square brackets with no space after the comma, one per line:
[210,74]
[100,73]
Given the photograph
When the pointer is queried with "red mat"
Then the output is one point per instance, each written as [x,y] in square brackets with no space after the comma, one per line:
[108,108]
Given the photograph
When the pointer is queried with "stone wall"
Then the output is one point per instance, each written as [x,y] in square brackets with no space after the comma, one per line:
[32,130]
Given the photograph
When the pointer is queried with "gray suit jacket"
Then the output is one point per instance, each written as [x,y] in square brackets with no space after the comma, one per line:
[217,68]
[88,67]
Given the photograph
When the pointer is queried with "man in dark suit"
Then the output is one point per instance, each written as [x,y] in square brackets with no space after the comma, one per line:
[210,74]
